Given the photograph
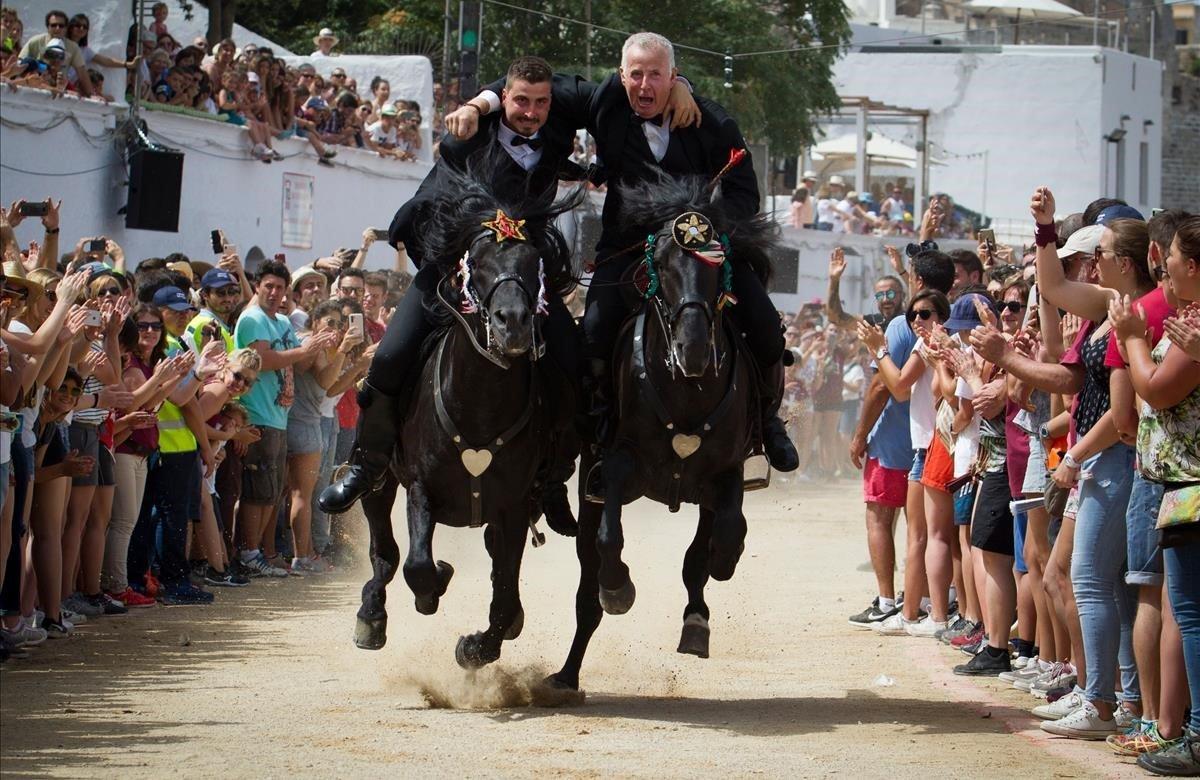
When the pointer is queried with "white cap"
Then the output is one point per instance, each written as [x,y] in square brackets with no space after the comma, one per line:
[1085,240]
[809,175]
[252,77]
[838,180]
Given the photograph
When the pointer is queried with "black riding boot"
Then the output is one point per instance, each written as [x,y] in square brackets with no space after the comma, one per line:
[599,425]
[555,504]
[780,451]
[378,423]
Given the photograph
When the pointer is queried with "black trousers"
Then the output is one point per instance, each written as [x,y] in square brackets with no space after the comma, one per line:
[755,314]
[400,349]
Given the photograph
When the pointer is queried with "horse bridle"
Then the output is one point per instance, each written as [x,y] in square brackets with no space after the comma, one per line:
[474,304]
[667,314]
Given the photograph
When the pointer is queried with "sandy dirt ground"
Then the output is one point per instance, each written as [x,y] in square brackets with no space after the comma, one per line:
[267,683]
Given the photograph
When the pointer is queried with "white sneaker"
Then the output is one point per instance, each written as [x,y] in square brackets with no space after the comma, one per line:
[1021,661]
[1083,723]
[1030,670]
[1124,718]
[925,628]
[896,625]
[1061,708]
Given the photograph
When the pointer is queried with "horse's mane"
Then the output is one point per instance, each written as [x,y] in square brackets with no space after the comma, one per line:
[465,201]
[651,204]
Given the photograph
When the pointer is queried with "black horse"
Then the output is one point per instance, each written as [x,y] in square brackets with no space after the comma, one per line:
[478,424]
[687,395]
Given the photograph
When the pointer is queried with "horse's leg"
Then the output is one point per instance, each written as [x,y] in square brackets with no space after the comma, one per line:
[694,639]
[426,580]
[729,525]
[370,632]
[587,598]
[616,588]
[506,544]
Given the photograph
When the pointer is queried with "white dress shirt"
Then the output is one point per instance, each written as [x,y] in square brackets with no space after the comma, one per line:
[524,155]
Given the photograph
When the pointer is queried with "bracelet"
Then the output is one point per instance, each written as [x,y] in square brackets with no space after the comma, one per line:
[52,231]
[1069,461]
[1044,235]
[478,110]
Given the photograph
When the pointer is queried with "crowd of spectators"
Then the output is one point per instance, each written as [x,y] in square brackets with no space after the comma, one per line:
[1039,425]
[165,426]
[247,86]
[833,207]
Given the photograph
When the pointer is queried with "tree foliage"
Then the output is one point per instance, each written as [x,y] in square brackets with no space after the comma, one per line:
[775,96]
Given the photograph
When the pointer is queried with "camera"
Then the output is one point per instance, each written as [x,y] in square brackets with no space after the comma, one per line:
[38,209]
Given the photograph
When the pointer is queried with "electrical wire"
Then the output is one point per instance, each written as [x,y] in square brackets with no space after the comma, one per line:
[47,173]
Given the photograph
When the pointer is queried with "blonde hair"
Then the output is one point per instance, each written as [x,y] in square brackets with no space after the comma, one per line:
[246,358]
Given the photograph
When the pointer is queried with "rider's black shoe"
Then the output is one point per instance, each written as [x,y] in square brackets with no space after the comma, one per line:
[557,509]
[780,452]
[377,427]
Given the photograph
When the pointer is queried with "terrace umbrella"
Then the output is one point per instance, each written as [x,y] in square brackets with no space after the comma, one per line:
[1038,9]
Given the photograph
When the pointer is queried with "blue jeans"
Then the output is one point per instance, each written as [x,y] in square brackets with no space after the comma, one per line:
[1145,558]
[320,520]
[1105,602]
[1183,588]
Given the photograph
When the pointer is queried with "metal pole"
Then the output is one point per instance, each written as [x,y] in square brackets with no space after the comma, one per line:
[136,103]
[1096,24]
[920,184]
[587,40]
[446,51]
[860,149]
[1153,16]
[983,206]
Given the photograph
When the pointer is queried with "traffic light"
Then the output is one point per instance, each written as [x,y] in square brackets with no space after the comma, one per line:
[728,69]
[470,21]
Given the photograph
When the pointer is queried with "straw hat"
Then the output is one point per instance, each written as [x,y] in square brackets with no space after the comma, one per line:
[15,277]
[325,34]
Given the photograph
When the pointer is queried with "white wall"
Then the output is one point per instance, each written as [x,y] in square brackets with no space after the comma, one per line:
[1039,111]
[222,186]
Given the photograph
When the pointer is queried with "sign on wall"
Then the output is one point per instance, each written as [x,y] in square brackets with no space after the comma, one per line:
[297,210]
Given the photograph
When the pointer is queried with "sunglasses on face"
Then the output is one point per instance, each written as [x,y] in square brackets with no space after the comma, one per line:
[885,295]
[147,327]
[238,376]
[227,292]
[1012,306]
[55,25]
[107,291]
[922,313]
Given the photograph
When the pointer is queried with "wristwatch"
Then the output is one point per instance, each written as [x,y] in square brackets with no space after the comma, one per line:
[1044,432]
[880,354]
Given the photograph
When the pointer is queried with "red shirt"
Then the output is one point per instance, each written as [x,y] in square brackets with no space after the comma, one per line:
[347,406]
[1157,311]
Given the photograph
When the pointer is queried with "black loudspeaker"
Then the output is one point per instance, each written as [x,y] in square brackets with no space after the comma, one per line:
[155,179]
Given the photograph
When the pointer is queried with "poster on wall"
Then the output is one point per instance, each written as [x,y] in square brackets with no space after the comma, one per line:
[297,211]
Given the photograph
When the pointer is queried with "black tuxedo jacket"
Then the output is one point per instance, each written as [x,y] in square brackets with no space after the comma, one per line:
[458,155]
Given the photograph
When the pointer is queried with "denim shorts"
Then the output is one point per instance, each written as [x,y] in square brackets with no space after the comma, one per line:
[1144,559]
[964,503]
[1020,525]
[304,437]
[918,466]
[1034,483]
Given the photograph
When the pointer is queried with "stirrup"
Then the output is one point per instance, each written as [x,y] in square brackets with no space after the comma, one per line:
[761,472]
[593,484]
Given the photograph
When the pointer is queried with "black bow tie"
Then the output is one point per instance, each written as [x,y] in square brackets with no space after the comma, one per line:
[533,143]
[657,119]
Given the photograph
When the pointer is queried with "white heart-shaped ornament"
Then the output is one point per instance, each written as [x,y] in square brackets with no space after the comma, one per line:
[476,461]
[685,445]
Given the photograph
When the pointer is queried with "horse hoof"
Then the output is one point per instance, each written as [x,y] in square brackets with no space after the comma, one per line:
[721,567]
[517,626]
[554,692]
[694,639]
[619,601]
[370,634]
[470,653]
[428,604]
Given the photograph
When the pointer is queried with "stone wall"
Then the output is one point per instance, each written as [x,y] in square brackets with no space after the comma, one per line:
[1181,145]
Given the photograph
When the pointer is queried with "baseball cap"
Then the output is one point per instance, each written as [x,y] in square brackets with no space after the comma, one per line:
[963,314]
[316,103]
[55,49]
[1119,212]
[252,77]
[217,278]
[809,175]
[388,110]
[835,179]
[173,298]
[1084,240]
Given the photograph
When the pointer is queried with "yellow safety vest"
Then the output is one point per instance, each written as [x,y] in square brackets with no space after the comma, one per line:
[173,433]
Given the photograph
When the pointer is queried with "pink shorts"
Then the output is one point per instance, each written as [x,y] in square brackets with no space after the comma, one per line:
[882,485]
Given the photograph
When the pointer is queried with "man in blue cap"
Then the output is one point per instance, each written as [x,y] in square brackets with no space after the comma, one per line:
[220,293]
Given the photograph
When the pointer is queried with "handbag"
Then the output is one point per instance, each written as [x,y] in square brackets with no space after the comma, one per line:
[1179,516]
